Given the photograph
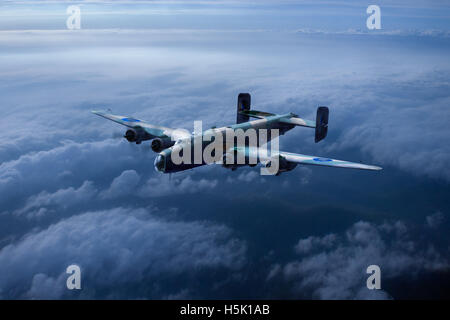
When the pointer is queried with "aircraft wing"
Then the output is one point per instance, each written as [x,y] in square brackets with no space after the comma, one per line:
[155,131]
[319,161]
[296,158]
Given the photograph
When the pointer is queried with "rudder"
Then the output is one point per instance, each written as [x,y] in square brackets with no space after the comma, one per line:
[243,103]
[321,123]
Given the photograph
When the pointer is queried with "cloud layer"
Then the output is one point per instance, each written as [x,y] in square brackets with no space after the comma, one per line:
[74,191]
[334,266]
[115,248]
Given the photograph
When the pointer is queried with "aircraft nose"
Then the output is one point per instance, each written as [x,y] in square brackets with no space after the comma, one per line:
[159,163]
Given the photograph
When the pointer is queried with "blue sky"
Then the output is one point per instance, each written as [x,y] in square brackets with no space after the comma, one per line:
[74,191]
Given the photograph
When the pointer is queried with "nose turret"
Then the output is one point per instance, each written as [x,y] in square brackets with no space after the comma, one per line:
[160,163]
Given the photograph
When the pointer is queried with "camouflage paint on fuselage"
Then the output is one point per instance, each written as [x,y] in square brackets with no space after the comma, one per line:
[268,123]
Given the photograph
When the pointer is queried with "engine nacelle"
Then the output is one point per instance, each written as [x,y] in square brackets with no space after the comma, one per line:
[136,136]
[159,144]
[283,165]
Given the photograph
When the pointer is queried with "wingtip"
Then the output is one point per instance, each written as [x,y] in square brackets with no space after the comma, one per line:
[98,112]
[370,167]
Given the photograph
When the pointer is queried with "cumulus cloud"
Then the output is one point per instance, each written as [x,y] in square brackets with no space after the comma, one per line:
[435,220]
[334,267]
[383,122]
[123,185]
[306,245]
[70,163]
[305,174]
[41,204]
[167,186]
[248,176]
[114,248]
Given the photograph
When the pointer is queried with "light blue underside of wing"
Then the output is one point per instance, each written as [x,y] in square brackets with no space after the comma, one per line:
[319,161]
[131,122]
